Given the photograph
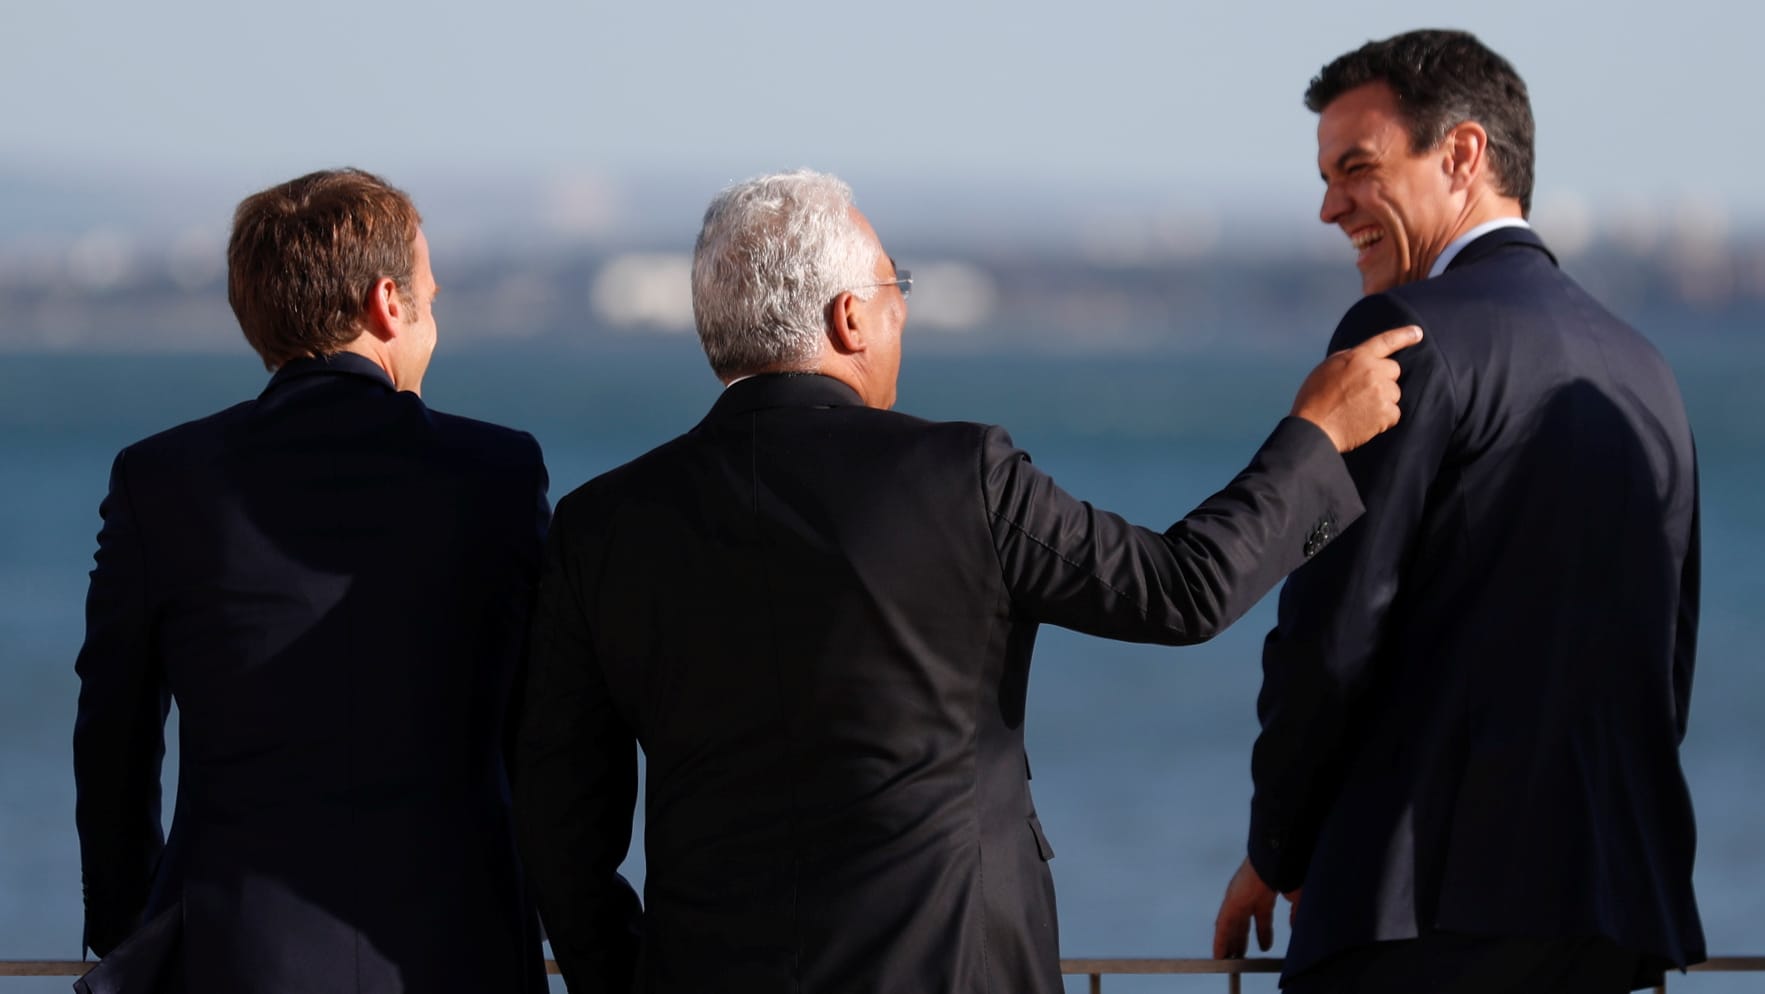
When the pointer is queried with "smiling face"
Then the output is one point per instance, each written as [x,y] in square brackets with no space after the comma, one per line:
[1399,209]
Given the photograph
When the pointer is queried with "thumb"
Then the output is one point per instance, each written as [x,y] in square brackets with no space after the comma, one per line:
[1387,342]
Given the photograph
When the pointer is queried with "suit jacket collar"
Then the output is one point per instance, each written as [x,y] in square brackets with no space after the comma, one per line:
[783,390]
[1497,240]
[339,364]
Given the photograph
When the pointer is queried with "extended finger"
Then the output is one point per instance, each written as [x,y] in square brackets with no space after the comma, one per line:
[1228,936]
[1387,342]
[1265,926]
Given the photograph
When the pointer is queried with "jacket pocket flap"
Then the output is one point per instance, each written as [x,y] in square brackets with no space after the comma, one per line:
[1042,845]
[141,959]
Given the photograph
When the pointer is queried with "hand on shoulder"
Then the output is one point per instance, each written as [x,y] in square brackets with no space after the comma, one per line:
[1352,395]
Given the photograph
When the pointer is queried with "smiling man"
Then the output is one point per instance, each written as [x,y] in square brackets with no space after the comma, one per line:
[1472,704]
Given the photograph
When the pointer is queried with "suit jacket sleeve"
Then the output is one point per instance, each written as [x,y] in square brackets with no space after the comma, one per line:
[1070,564]
[530,547]
[1326,640]
[575,785]
[1685,635]
[119,732]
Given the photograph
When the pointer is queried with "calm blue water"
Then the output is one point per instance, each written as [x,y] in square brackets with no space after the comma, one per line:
[1140,754]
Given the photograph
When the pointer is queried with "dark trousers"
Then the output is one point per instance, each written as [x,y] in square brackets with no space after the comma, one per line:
[1453,963]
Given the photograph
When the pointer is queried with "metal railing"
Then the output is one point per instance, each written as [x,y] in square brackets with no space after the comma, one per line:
[1235,969]
[1094,969]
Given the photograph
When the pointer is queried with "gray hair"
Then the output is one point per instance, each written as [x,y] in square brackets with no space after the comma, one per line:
[774,252]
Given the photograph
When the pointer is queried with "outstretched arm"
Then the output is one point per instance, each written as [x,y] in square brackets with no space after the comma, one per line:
[1068,563]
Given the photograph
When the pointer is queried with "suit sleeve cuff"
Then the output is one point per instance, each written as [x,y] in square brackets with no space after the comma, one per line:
[1312,458]
[1277,859]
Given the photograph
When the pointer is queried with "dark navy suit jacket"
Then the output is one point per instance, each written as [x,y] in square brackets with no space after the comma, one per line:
[332,581]
[1472,705]
[817,618]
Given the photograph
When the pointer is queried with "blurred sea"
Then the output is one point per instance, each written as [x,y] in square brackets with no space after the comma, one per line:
[1141,754]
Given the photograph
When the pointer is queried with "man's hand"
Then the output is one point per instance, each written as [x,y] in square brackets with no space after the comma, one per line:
[1247,897]
[1352,395]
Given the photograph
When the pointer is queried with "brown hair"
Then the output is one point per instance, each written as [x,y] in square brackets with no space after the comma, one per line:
[305,256]
[1443,78]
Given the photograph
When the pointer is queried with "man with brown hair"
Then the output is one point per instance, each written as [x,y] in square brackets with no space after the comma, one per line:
[332,580]
[1468,772]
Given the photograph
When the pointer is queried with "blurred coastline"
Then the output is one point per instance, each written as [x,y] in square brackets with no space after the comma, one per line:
[92,266]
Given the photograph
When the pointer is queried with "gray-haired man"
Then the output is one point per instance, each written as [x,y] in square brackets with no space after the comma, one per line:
[816,617]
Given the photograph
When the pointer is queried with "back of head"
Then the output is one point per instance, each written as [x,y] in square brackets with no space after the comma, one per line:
[773,253]
[306,254]
[1441,79]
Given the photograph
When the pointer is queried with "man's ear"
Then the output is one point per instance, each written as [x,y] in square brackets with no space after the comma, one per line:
[1466,144]
[384,314]
[845,324]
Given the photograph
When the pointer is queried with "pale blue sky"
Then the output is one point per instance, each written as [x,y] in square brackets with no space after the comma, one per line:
[1638,103]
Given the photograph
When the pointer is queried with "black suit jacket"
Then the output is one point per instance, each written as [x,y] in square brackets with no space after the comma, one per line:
[332,581]
[817,619]
[1472,706]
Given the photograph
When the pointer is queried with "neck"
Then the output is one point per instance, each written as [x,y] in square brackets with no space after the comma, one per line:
[1483,209]
[375,351]
[778,367]
[852,371]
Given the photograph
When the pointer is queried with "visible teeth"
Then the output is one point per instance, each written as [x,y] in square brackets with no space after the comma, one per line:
[1365,238]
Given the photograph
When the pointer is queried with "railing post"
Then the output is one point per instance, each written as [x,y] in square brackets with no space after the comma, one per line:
[1234,983]
[1096,983]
